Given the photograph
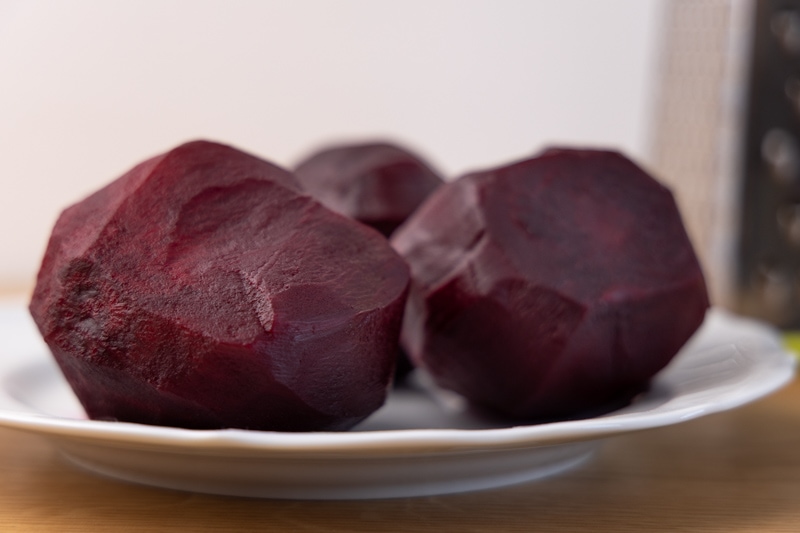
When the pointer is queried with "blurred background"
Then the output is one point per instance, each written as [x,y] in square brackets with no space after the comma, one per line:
[88,88]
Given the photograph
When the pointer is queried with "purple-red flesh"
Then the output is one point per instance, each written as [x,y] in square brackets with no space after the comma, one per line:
[379,184]
[204,289]
[552,288]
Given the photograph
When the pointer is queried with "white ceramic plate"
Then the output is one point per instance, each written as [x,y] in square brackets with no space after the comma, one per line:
[418,444]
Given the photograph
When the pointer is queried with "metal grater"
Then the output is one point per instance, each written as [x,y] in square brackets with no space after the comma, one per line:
[768,255]
[727,125]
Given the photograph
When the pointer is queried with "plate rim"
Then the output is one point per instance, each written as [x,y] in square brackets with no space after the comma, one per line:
[779,362]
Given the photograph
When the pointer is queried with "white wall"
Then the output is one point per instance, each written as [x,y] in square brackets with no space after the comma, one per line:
[88,88]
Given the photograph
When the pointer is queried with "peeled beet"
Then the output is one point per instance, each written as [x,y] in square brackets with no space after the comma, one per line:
[203,289]
[378,184]
[552,288]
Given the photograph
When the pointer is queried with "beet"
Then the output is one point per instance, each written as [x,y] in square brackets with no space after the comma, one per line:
[203,289]
[378,184]
[552,288]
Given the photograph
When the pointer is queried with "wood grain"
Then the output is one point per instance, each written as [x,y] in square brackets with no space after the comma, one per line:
[734,472]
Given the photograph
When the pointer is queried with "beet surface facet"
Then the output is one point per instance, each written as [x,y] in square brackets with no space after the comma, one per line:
[552,288]
[378,184]
[204,289]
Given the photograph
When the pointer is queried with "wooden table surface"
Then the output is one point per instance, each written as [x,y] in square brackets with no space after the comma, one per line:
[731,472]
[737,471]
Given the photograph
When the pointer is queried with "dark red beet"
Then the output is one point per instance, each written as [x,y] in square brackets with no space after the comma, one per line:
[202,289]
[552,288]
[378,184]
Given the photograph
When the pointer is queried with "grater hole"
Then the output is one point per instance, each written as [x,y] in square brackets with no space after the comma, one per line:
[786,27]
[788,217]
[779,150]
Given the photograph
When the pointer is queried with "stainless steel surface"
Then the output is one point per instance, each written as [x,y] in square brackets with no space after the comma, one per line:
[768,252]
